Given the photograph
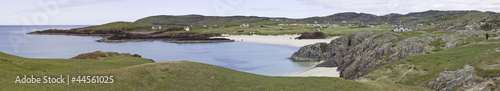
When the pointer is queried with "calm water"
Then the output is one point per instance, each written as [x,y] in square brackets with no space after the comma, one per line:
[264,59]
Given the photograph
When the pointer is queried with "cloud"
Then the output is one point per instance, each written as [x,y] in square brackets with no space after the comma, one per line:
[381,7]
[65,4]
[266,9]
[74,3]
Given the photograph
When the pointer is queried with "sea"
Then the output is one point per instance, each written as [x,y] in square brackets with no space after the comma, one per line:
[256,58]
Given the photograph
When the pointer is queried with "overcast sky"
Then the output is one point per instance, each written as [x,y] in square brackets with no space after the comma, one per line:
[94,12]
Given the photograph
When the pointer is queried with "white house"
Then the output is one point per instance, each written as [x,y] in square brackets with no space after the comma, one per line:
[156,27]
[186,29]
[402,28]
[244,25]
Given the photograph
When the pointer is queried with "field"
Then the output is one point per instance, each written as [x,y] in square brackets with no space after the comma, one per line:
[141,74]
[282,30]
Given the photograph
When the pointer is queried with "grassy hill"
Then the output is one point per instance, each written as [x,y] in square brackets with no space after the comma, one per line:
[133,73]
[207,20]
[124,26]
[419,70]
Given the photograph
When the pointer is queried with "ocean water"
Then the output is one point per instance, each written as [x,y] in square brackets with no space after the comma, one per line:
[263,59]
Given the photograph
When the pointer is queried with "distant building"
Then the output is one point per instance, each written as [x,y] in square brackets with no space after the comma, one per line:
[402,28]
[156,27]
[186,29]
[244,25]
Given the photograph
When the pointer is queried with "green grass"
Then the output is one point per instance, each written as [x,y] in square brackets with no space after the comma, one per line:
[125,26]
[199,20]
[406,35]
[277,30]
[141,74]
[465,18]
[421,69]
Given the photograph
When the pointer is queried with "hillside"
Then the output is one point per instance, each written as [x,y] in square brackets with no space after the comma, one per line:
[424,70]
[413,18]
[185,20]
[133,73]
[331,25]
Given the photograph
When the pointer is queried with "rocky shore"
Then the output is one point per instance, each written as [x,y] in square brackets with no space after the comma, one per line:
[77,32]
[357,54]
[312,35]
[212,40]
[117,36]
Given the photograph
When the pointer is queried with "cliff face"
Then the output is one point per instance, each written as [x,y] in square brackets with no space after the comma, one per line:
[357,54]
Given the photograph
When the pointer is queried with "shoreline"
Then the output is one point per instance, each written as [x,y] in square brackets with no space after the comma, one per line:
[319,71]
[290,40]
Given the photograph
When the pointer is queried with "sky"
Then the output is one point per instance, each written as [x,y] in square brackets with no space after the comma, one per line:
[95,12]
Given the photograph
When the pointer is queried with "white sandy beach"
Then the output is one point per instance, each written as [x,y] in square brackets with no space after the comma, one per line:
[290,41]
[320,72]
[280,39]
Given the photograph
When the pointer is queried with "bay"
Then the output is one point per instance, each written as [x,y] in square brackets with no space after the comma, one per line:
[263,59]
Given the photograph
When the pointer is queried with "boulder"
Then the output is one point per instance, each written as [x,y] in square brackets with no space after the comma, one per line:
[313,35]
[449,80]
[358,54]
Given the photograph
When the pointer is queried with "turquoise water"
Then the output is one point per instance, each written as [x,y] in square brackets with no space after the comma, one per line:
[264,59]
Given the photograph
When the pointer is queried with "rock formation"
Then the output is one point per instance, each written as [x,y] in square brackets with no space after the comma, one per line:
[357,54]
[211,40]
[313,35]
[128,37]
[77,32]
[449,80]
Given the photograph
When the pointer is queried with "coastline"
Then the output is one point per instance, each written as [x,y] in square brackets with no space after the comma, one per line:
[290,40]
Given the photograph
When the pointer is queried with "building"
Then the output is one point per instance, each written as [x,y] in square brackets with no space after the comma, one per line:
[244,25]
[402,28]
[186,29]
[156,27]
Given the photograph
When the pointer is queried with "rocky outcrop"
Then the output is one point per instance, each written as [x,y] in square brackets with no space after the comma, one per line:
[315,52]
[357,54]
[78,32]
[101,55]
[129,37]
[211,40]
[449,80]
[117,36]
[456,39]
[313,35]
[483,43]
